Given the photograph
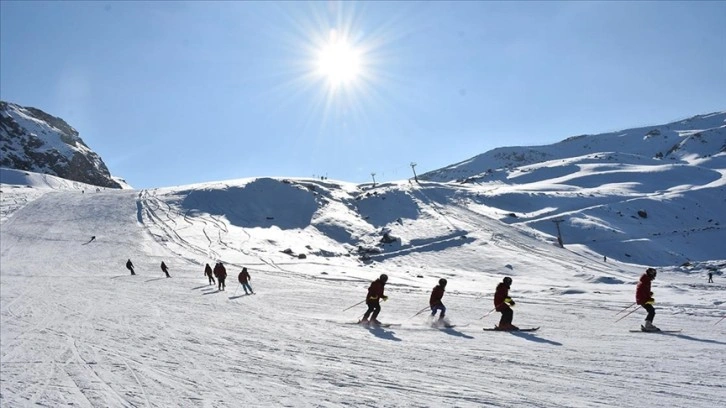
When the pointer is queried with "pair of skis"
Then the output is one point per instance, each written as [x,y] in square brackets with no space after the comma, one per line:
[644,330]
[529,329]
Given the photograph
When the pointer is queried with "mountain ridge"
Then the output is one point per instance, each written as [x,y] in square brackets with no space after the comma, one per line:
[33,140]
[700,135]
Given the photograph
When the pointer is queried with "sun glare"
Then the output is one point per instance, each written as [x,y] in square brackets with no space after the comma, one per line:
[338,61]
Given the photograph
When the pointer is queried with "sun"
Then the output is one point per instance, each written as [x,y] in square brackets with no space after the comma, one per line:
[338,61]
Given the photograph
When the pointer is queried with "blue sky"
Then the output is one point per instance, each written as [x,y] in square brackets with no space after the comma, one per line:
[177,93]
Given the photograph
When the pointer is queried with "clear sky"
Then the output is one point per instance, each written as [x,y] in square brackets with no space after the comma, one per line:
[177,93]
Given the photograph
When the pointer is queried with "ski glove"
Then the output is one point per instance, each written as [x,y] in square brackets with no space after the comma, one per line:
[509,301]
[384,298]
[650,301]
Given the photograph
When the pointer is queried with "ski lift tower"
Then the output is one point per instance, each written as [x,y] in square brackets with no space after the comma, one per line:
[559,233]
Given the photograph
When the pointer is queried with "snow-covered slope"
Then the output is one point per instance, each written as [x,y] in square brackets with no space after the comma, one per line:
[653,195]
[33,140]
[690,141]
[78,330]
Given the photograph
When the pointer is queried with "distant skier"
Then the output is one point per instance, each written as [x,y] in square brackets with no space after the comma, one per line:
[710,277]
[130,266]
[165,269]
[435,301]
[244,278]
[375,294]
[644,298]
[208,274]
[503,304]
[221,273]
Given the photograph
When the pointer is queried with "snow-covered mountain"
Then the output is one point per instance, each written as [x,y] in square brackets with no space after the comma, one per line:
[692,141]
[653,195]
[33,140]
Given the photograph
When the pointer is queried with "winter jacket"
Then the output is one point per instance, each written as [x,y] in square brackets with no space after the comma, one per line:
[244,276]
[436,296]
[163,266]
[208,270]
[500,295]
[129,265]
[220,271]
[375,291]
[642,292]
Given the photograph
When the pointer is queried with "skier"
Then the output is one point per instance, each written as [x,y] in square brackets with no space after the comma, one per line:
[710,277]
[208,274]
[165,269]
[375,294]
[644,298]
[221,273]
[435,300]
[130,266]
[244,277]
[503,304]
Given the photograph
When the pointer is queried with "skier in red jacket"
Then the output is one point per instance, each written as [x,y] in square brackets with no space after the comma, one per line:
[221,273]
[244,278]
[435,300]
[375,294]
[644,297]
[503,303]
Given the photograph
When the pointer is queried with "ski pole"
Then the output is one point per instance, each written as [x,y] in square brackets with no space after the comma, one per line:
[490,312]
[719,320]
[420,311]
[235,291]
[354,305]
[629,313]
[631,305]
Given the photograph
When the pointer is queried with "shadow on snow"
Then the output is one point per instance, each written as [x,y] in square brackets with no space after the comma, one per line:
[534,338]
[384,334]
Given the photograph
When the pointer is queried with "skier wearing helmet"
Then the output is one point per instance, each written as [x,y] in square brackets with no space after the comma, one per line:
[375,294]
[644,298]
[503,304]
[435,301]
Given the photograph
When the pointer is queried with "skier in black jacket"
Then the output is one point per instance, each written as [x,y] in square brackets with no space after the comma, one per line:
[130,266]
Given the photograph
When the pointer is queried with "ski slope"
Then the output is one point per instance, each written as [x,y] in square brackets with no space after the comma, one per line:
[78,330]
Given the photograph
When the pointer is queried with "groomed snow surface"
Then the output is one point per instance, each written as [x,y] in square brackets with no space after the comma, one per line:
[78,330]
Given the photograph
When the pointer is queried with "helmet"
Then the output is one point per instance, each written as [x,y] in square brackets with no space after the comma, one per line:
[651,272]
[442,282]
[507,280]
[384,278]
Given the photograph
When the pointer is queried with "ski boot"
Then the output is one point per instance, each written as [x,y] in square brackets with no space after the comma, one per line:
[648,327]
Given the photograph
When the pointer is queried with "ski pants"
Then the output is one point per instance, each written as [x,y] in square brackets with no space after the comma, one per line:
[435,308]
[245,286]
[211,280]
[221,283]
[373,307]
[507,316]
[651,312]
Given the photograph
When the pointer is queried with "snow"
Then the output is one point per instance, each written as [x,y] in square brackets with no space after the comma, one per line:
[78,330]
